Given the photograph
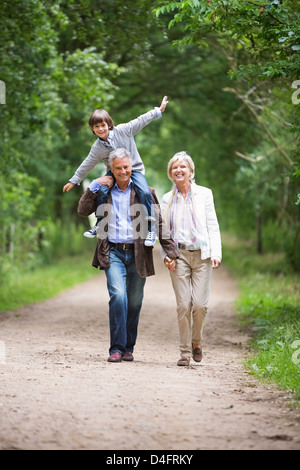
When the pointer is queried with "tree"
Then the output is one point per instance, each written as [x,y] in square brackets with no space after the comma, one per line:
[261,41]
[45,88]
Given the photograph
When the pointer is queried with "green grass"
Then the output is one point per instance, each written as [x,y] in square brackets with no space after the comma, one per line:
[21,288]
[269,304]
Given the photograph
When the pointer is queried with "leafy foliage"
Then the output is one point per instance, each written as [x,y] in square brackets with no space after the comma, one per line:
[230,105]
[268,28]
[261,41]
[45,89]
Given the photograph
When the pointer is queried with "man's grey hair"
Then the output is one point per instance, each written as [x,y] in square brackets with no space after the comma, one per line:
[119,153]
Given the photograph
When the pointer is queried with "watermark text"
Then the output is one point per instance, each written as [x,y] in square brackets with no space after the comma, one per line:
[2,92]
[295,99]
[118,224]
[296,355]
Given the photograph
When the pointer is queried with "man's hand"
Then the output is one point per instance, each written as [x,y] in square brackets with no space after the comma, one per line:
[164,104]
[105,181]
[67,187]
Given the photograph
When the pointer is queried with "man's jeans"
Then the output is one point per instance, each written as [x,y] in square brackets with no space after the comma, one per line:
[126,292]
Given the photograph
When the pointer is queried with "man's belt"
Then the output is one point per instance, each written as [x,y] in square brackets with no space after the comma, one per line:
[122,246]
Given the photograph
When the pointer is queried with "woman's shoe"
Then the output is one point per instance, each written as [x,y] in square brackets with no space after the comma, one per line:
[184,361]
[197,354]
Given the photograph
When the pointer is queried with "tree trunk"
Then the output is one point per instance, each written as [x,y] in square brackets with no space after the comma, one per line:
[259,225]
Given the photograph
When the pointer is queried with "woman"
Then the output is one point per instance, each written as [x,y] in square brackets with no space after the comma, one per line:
[190,214]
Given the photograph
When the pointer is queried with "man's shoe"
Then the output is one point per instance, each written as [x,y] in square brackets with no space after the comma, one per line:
[197,354]
[150,239]
[115,357]
[127,356]
[184,361]
[92,233]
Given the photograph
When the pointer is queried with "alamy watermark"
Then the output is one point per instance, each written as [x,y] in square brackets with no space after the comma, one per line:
[117,224]
[296,355]
[2,92]
[295,99]
[2,353]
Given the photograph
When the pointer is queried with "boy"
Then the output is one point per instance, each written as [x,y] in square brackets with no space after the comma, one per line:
[110,137]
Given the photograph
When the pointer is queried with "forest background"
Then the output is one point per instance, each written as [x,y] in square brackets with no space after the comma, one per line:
[231,70]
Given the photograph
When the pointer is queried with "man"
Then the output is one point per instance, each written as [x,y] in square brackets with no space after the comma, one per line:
[121,252]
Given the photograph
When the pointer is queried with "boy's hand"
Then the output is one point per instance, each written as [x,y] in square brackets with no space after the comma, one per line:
[164,104]
[67,187]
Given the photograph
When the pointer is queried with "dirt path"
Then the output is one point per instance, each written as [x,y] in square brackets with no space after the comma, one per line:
[57,391]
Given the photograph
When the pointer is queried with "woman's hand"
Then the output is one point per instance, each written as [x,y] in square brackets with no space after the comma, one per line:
[215,263]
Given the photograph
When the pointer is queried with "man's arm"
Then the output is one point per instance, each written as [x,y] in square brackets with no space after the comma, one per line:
[87,203]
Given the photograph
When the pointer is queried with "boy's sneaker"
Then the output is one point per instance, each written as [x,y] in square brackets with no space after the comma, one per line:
[92,233]
[150,240]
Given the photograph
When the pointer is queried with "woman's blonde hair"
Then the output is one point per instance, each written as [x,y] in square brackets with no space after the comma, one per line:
[180,156]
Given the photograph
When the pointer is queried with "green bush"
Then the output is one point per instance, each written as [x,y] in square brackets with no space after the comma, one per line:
[23,287]
[268,304]
[276,340]
[33,251]
[59,239]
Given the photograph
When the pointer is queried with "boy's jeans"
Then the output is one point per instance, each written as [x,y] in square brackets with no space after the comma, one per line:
[126,292]
[141,188]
